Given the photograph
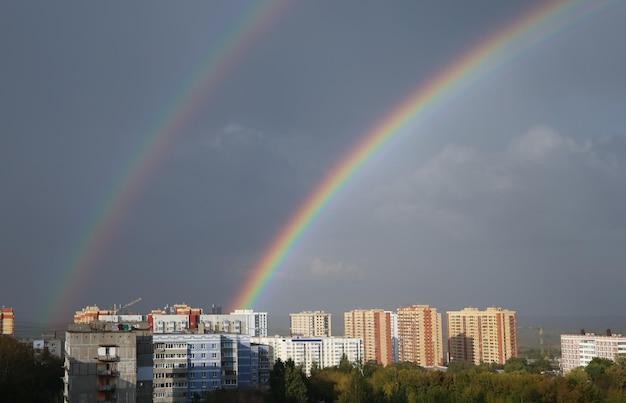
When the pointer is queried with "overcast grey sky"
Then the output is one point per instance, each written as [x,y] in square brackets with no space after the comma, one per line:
[513,195]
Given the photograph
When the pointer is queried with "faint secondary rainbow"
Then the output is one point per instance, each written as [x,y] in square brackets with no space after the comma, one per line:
[240,34]
[546,20]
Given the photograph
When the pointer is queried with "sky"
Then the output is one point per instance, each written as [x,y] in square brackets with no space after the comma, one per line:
[513,194]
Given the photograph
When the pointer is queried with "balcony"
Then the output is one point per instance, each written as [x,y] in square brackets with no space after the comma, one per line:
[106,372]
[107,357]
[105,388]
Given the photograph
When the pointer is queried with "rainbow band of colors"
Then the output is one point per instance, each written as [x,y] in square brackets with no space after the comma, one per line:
[506,44]
[241,31]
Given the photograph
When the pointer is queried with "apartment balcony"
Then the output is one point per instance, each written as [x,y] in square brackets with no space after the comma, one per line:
[106,388]
[108,358]
[106,372]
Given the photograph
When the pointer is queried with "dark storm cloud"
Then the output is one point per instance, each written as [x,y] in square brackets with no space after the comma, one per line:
[453,214]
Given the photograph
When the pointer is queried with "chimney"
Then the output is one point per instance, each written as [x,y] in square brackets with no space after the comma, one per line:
[582,332]
[608,332]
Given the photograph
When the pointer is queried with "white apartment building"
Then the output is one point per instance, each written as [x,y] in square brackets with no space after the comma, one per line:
[256,322]
[310,324]
[324,351]
[577,350]
[394,336]
[165,323]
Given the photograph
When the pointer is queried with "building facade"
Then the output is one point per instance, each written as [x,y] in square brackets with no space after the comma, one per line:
[394,336]
[309,351]
[188,365]
[310,324]
[420,337]
[488,336]
[7,321]
[577,350]
[256,322]
[374,327]
[106,364]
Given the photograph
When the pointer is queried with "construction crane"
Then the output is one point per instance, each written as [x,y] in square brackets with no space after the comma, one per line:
[124,308]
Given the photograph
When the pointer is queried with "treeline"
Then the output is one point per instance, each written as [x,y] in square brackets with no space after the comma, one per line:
[516,381]
[28,376]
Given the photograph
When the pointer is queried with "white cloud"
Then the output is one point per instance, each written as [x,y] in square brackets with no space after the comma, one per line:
[233,132]
[540,143]
[542,184]
[334,270]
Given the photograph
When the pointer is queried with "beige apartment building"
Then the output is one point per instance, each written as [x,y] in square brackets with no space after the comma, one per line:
[420,335]
[488,336]
[374,327]
[310,324]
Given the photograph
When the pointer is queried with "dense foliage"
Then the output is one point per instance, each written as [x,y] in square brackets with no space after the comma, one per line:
[26,376]
[516,381]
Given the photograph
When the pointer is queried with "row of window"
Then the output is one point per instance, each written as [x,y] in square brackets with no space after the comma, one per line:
[214,374]
[170,385]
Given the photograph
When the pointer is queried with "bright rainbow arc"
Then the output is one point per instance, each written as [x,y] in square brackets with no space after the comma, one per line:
[130,181]
[407,115]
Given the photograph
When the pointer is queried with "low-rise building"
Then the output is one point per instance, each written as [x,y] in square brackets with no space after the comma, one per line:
[308,351]
[577,350]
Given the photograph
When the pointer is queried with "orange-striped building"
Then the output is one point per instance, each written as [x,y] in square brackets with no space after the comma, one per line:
[374,327]
[89,314]
[420,335]
[488,336]
[7,321]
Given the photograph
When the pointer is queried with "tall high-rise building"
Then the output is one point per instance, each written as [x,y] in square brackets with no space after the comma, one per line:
[374,327]
[420,337]
[488,336]
[310,324]
[7,321]
[394,336]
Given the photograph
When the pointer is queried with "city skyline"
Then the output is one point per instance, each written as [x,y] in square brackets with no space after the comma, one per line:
[510,195]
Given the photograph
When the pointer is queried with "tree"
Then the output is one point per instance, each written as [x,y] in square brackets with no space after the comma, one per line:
[460,366]
[24,378]
[277,381]
[516,364]
[344,365]
[295,388]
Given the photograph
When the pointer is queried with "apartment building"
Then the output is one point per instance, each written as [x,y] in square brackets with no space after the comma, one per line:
[7,321]
[127,362]
[374,327]
[106,364]
[310,324]
[256,322]
[188,365]
[394,336]
[577,350]
[307,351]
[488,336]
[420,337]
